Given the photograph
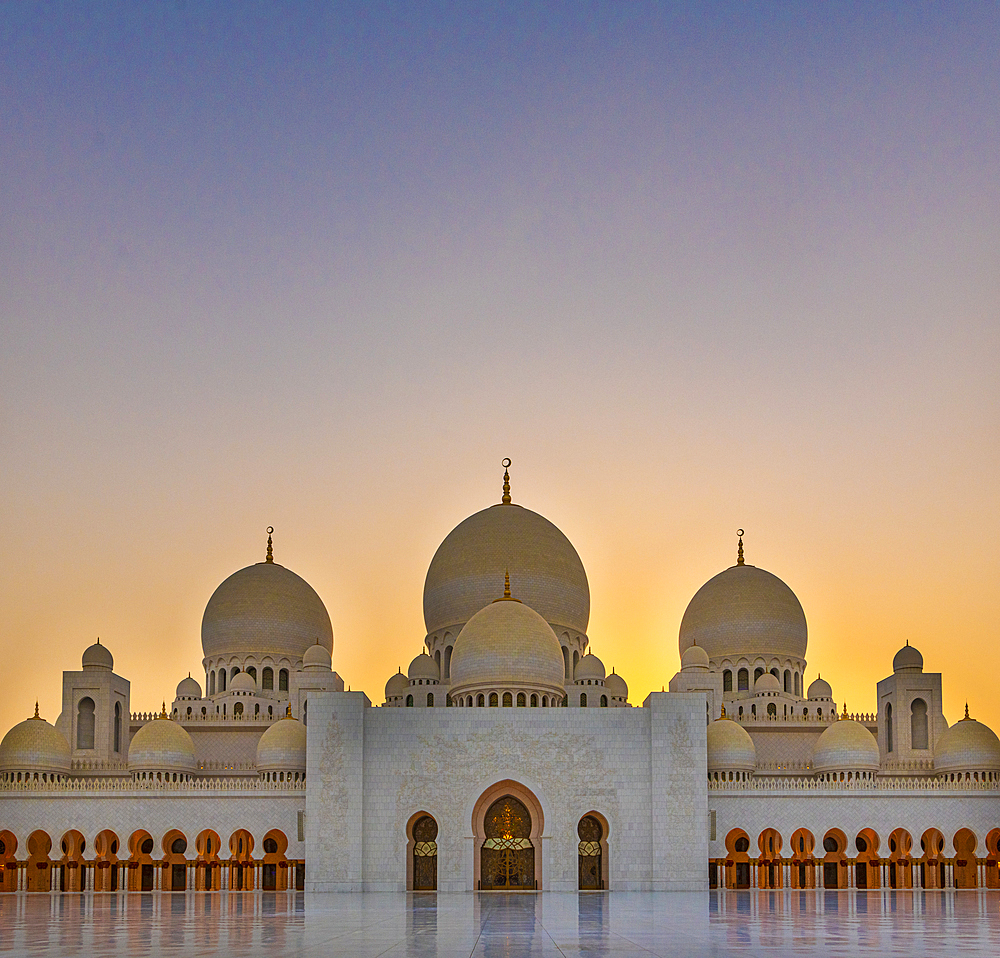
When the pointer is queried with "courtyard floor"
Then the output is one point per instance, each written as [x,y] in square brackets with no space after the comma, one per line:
[820,923]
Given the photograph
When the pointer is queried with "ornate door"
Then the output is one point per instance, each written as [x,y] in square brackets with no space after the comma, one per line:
[425,832]
[507,858]
[591,866]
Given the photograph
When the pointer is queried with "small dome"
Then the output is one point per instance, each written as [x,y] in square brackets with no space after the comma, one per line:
[188,689]
[968,746]
[162,746]
[767,683]
[469,565]
[908,659]
[694,658]
[590,667]
[744,611]
[242,682]
[730,747]
[508,644]
[265,609]
[98,657]
[846,746]
[317,658]
[282,748]
[397,686]
[616,686]
[36,746]
[820,689]
[423,667]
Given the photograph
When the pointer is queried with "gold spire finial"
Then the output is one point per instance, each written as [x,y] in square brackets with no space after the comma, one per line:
[37,716]
[98,640]
[163,710]
[506,583]
[966,712]
[723,715]
[845,711]
[739,547]
[288,710]
[506,482]
[270,551]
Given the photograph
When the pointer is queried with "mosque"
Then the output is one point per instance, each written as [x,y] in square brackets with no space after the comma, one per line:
[506,757]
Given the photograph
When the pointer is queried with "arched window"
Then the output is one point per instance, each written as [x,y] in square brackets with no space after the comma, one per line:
[757,673]
[727,680]
[252,672]
[494,700]
[521,701]
[888,727]
[776,674]
[918,724]
[305,712]
[534,700]
[508,700]
[742,680]
[437,660]
[566,659]
[798,684]
[85,723]
[211,683]
[480,700]
[545,701]
[430,700]
[604,702]
[583,700]
[447,662]
[189,711]
[117,731]
[234,672]
[283,680]
[267,678]
[238,710]
[772,710]
[222,680]
[409,701]
[788,680]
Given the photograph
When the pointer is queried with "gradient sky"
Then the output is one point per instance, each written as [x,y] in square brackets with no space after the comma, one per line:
[693,267]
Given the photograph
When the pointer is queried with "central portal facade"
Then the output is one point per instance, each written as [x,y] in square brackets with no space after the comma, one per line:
[507,857]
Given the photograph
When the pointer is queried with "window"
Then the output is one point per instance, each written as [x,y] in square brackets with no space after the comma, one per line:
[798,684]
[757,673]
[480,700]
[189,711]
[117,732]
[788,680]
[604,702]
[211,683]
[772,710]
[222,680]
[743,680]
[888,728]
[238,710]
[534,700]
[283,680]
[235,671]
[521,700]
[494,700]
[583,700]
[267,678]
[409,701]
[430,700]
[252,672]
[918,724]
[727,680]
[447,662]
[508,700]
[776,674]
[85,723]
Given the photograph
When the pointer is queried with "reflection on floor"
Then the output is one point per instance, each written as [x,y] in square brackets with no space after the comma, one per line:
[821,923]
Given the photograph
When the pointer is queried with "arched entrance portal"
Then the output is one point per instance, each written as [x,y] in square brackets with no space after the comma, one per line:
[425,852]
[591,853]
[507,858]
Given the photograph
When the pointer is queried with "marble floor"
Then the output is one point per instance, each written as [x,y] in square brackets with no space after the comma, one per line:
[820,923]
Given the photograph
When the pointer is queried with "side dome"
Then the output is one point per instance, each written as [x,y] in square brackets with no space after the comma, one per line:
[907,659]
[423,668]
[820,690]
[162,746]
[694,658]
[589,669]
[510,645]
[617,687]
[396,687]
[282,747]
[265,609]
[317,659]
[968,746]
[846,746]
[188,689]
[730,748]
[463,575]
[35,746]
[98,657]
[242,682]
[767,683]
[745,611]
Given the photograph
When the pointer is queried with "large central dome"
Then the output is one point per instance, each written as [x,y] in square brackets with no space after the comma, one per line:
[469,565]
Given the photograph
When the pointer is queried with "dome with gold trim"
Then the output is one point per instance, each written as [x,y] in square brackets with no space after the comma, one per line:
[463,575]
[265,609]
[161,746]
[968,746]
[34,746]
[845,746]
[730,748]
[282,747]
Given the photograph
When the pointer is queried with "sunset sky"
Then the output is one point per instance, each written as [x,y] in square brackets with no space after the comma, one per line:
[322,266]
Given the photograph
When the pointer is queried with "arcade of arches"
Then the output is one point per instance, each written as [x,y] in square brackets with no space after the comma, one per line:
[829,861]
[138,864]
